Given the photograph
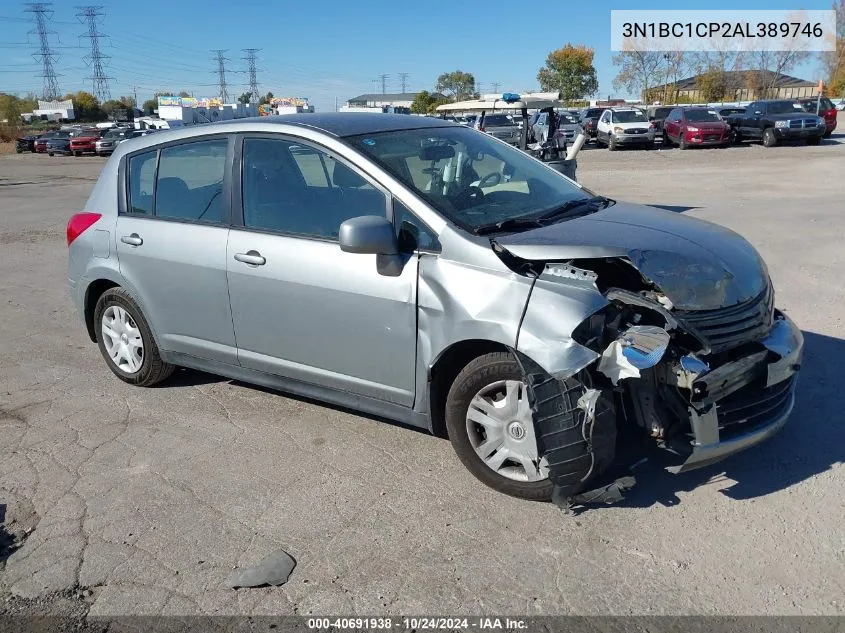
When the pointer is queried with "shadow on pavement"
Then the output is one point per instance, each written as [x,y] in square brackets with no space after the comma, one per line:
[673,208]
[812,442]
[7,541]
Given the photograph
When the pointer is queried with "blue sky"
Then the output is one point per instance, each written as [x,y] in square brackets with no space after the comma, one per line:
[326,49]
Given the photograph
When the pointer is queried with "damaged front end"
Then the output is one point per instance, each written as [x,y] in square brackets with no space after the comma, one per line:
[702,383]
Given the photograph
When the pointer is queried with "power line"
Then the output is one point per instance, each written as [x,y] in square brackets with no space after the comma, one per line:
[253,74]
[403,78]
[221,74]
[41,10]
[383,78]
[91,15]
[495,85]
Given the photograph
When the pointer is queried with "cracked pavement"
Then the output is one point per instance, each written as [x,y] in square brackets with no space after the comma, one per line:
[147,498]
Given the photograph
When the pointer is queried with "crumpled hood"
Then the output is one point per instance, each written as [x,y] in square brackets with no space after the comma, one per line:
[698,265]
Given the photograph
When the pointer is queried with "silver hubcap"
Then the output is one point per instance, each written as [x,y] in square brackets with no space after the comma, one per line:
[500,427]
[122,339]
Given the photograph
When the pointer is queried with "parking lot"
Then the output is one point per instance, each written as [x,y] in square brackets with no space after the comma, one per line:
[143,500]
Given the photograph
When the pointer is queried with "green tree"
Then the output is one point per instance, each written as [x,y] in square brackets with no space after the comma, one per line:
[638,71]
[422,102]
[10,109]
[457,85]
[128,102]
[712,85]
[245,97]
[86,107]
[266,98]
[183,93]
[570,71]
[112,106]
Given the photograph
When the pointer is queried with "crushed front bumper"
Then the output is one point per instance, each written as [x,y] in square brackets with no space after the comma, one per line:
[747,401]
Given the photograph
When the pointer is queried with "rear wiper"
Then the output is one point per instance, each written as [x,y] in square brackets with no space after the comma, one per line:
[600,201]
[506,225]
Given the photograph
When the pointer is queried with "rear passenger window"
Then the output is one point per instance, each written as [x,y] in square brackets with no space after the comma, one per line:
[142,174]
[293,188]
[190,181]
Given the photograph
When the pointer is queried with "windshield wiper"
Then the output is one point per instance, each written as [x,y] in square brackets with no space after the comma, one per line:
[506,225]
[558,212]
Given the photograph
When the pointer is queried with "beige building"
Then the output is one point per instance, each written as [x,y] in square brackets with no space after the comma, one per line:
[741,85]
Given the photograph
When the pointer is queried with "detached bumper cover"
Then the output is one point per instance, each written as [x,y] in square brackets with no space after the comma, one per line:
[750,400]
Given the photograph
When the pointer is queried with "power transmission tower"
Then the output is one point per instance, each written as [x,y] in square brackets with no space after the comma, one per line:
[403,78]
[41,11]
[383,79]
[90,15]
[495,85]
[253,76]
[221,73]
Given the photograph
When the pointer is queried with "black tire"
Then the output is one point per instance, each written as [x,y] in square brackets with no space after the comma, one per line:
[77,154]
[479,373]
[153,369]
[682,143]
[611,143]
[49,153]
[736,137]
[769,138]
[664,141]
[828,133]
[814,140]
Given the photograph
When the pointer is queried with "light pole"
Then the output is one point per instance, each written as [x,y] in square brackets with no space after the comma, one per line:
[668,58]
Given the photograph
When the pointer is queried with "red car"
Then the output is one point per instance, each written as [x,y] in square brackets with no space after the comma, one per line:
[695,126]
[85,142]
[822,107]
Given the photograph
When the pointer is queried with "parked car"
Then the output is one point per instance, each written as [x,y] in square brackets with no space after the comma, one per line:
[85,141]
[439,278]
[590,120]
[501,126]
[40,144]
[841,105]
[105,144]
[568,126]
[26,143]
[689,127]
[776,120]
[60,143]
[657,114]
[624,126]
[822,107]
[135,134]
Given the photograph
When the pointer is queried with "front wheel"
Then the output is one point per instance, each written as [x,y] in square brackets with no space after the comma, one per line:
[77,154]
[682,143]
[49,153]
[126,342]
[769,138]
[611,143]
[814,140]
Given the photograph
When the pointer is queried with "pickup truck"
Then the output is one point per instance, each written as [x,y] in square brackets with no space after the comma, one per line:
[774,121]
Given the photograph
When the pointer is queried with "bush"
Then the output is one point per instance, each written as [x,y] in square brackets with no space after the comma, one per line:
[9,132]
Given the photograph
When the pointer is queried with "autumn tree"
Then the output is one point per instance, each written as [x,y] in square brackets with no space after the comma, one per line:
[570,71]
[128,102]
[457,85]
[834,61]
[86,107]
[10,108]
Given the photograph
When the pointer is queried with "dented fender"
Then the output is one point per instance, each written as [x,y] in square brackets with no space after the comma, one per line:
[562,297]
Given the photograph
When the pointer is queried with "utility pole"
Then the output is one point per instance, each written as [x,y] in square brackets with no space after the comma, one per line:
[221,73]
[90,15]
[383,78]
[42,11]
[135,95]
[403,78]
[253,76]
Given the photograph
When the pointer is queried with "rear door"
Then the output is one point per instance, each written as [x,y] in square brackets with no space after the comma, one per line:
[302,308]
[171,243]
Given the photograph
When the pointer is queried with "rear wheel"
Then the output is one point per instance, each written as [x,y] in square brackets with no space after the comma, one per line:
[126,342]
[769,138]
[49,153]
[77,154]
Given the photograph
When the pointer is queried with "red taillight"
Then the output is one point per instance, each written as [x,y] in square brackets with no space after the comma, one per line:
[80,223]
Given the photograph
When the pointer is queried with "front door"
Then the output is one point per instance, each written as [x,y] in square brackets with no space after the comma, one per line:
[171,245]
[301,307]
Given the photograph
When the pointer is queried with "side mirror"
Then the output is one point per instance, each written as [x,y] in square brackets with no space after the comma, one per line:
[368,234]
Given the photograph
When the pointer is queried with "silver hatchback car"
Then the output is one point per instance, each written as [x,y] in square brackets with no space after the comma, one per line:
[419,270]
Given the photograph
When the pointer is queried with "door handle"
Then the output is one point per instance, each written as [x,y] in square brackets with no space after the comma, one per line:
[132,240]
[253,258]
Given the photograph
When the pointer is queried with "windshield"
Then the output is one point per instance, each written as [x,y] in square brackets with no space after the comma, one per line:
[470,178]
[115,134]
[566,118]
[594,112]
[702,115]
[661,113]
[498,120]
[784,107]
[629,116]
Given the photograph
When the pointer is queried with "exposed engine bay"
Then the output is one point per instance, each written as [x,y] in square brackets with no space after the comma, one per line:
[700,383]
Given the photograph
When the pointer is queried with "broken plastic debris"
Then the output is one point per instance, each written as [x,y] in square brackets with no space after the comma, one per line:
[274,569]
[615,366]
[587,402]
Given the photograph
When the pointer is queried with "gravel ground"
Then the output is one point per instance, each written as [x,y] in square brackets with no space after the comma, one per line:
[117,500]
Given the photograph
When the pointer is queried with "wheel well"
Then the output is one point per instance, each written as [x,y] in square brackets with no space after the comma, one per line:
[92,295]
[446,368]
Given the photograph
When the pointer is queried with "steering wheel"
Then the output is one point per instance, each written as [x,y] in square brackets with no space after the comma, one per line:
[469,197]
[490,180]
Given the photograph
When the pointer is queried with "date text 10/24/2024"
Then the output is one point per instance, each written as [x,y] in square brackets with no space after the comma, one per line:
[418,623]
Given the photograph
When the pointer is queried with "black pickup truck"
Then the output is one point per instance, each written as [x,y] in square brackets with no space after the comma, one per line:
[774,121]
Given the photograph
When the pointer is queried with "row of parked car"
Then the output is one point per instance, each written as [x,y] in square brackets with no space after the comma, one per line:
[77,140]
[770,121]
